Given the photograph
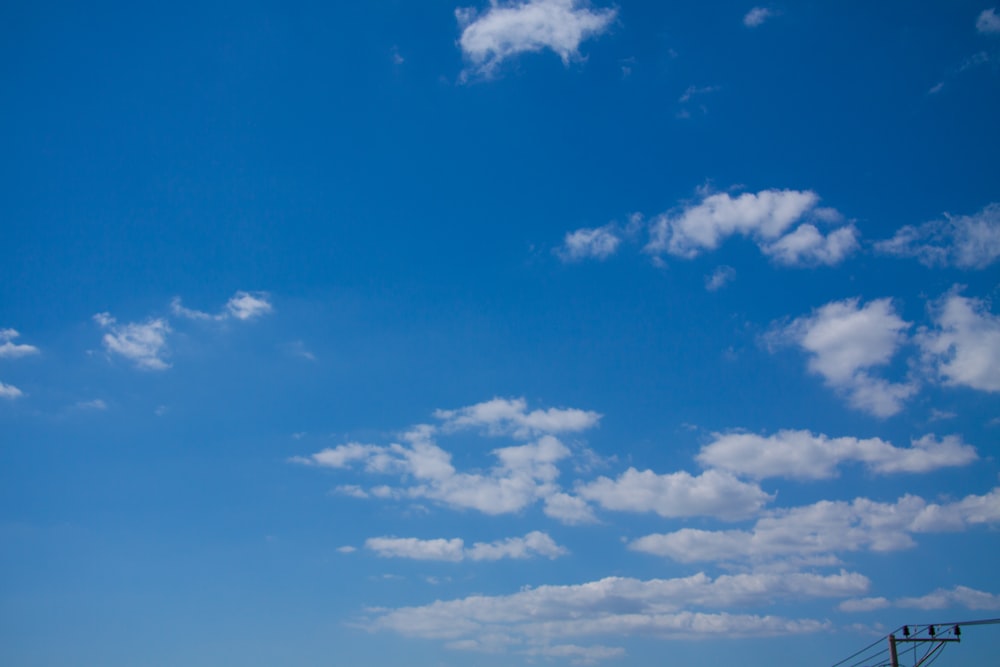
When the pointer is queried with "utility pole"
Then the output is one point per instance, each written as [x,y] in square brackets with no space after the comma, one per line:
[933,637]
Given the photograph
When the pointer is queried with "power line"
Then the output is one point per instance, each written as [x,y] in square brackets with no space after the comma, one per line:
[935,635]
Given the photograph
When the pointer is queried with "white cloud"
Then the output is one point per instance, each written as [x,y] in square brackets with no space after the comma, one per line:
[533,544]
[249,305]
[12,350]
[508,29]
[966,241]
[411,547]
[719,278]
[95,404]
[864,604]
[596,243]
[502,416]
[964,348]
[807,246]
[844,341]
[959,596]
[242,306]
[942,598]
[347,549]
[766,217]
[579,655]
[692,91]
[144,344]
[756,16]
[988,22]
[619,607]
[524,474]
[825,528]
[9,391]
[568,509]
[679,494]
[803,455]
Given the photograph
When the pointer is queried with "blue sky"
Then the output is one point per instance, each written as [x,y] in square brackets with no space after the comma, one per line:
[543,332]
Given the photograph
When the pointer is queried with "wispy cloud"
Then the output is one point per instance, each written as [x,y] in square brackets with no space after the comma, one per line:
[142,343]
[988,22]
[241,306]
[757,16]
[966,241]
[719,278]
[505,30]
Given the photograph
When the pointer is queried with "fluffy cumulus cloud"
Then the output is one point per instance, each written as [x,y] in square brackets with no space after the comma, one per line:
[679,494]
[964,347]
[988,22]
[11,350]
[967,241]
[596,243]
[757,16]
[142,343]
[510,416]
[803,455]
[619,607]
[785,224]
[507,29]
[824,529]
[845,341]
[535,543]
[241,306]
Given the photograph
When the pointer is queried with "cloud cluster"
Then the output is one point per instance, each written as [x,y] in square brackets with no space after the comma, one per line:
[783,223]
[846,341]
[824,529]
[803,455]
[620,607]
[535,543]
[145,343]
[507,29]
[526,474]
[967,241]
